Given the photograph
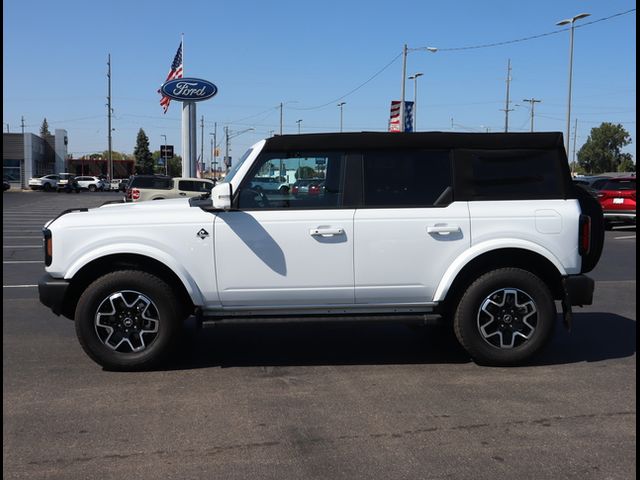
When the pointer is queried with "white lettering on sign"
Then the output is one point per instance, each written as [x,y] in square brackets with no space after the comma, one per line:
[186,89]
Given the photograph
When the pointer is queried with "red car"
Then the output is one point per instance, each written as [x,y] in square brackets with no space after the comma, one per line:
[618,200]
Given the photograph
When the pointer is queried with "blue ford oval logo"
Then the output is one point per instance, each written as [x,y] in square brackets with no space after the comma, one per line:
[189,89]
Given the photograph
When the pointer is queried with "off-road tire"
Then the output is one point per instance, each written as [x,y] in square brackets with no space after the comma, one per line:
[470,315]
[88,324]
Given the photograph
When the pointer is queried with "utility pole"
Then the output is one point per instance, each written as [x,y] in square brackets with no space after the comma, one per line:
[226,148]
[533,102]
[110,165]
[215,147]
[299,122]
[202,141]
[211,164]
[506,108]
[21,125]
[280,118]
[404,76]
[575,136]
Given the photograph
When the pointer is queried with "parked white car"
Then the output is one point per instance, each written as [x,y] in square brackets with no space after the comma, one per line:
[485,230]
[46,183]
[92,184]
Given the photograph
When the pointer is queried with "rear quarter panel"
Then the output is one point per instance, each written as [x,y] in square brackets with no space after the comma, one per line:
[552,225]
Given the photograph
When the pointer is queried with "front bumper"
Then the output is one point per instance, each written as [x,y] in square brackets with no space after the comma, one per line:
[579,289]
[52,292]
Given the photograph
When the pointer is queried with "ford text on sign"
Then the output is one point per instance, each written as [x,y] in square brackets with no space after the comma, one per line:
[189,89]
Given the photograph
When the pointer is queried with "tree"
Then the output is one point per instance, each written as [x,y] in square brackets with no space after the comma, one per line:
[174,163]
[44,129]
[305,172]
[144,159]
[114,155]
[627,165]
[601,152]
[175,166]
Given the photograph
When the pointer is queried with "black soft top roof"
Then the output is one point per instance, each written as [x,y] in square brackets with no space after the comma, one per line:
[436,140]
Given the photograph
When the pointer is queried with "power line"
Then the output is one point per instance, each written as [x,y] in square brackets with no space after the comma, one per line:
[355,89]
[533,37]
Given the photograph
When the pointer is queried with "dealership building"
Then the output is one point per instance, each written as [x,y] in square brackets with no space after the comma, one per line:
[26,155]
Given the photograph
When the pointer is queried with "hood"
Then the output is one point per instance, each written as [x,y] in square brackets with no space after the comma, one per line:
[126,214]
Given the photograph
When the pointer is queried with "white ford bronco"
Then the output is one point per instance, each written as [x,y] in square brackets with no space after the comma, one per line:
[484,230]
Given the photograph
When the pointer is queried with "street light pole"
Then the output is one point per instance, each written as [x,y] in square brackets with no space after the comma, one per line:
[229,135]
[561,23]
[404,76]
[341,104]
[299,122]
[405,50]
[414,77]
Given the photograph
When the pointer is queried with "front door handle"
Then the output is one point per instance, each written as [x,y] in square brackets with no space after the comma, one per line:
[443,229]
[326,231]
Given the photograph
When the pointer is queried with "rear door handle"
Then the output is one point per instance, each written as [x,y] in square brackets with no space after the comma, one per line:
[443,229]
[326,232]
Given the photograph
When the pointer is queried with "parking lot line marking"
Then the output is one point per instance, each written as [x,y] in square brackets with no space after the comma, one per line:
[22,246]
[23,261]
[613,282]
[19,286]
[624,238]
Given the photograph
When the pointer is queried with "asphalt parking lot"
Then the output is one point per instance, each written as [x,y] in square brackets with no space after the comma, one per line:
[339,401]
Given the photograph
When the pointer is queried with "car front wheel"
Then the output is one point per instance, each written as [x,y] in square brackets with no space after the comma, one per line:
[127,320]
[505,317]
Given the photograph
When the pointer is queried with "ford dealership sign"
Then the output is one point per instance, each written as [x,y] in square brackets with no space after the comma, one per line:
[189,89]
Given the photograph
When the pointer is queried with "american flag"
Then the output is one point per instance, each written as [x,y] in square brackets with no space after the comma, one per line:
[175,72]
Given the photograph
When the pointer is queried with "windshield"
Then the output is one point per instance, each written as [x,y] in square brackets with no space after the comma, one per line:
[234,169]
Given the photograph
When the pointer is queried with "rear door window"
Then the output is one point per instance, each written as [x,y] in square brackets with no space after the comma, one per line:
[194,186]
[156,183]
[412,178]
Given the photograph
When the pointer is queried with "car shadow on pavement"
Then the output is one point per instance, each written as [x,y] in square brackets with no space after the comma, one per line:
[296,344]
[594,337]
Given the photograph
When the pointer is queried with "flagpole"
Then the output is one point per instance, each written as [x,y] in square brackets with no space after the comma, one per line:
[189,140]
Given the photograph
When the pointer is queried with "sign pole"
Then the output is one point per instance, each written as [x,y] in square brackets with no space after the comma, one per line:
[189,91]
[188,139]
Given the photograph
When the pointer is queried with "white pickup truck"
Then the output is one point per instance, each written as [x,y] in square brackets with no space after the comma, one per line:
[485,230]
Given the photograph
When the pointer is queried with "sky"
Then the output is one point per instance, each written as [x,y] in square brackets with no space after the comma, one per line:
[310,56]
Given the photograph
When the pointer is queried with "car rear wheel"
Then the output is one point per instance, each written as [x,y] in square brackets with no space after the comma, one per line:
[128,320]
[505,317]
[92,188]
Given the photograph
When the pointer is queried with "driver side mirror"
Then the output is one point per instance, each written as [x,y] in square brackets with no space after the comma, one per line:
[221,196]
